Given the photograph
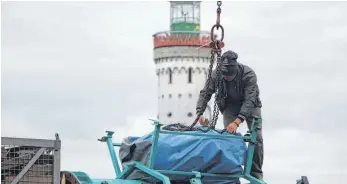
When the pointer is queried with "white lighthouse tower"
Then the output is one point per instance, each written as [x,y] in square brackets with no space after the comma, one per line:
[182,57]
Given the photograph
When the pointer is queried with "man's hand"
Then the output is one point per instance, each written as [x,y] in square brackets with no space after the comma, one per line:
[232,127]
[202,121]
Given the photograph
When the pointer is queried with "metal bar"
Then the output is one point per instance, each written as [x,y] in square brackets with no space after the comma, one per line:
[205,135]
[112,153]
[127,170]
[167,172]
[153,173]
[130,167]
[251,146]
[56,161]
[28,142]
[154,144]
[28,166]
[176,172]
[117,144]
[249,160]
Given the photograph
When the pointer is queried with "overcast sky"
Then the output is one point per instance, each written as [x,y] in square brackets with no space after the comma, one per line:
[82,68]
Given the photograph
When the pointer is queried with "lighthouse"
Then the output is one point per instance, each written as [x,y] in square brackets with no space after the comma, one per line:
[182,57]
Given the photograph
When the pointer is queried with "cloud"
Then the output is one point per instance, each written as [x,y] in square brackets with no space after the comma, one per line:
[82,68]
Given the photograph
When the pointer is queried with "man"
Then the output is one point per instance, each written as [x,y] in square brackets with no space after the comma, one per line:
[239,101]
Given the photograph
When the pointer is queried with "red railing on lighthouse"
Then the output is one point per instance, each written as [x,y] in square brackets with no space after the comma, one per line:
[181,38]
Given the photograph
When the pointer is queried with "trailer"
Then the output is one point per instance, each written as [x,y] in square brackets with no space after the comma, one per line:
[152,175]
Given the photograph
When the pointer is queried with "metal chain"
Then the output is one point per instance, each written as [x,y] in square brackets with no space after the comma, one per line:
[217,25]
[182,128]
[218,92]
[216,46]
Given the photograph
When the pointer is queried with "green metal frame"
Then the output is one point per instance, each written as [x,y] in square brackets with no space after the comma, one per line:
[83,178]
[164,175]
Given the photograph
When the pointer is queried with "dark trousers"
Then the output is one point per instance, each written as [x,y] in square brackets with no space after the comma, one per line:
[258,157]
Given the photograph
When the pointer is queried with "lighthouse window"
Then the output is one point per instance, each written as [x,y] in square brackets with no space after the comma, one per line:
[169,114]
[170,76]
[179,95]
[190,114]
[190,70]
[170,95]
[190,95]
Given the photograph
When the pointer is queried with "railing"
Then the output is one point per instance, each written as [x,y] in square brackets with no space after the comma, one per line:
[30,160]
[186,20]
[182,38]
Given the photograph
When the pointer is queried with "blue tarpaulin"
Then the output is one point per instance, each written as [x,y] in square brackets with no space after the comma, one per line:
[188,153]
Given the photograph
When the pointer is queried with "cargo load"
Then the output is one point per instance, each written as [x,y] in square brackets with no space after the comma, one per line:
[187,153]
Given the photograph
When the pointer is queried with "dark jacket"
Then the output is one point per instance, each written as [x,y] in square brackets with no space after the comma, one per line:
[246,85]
